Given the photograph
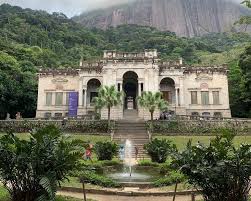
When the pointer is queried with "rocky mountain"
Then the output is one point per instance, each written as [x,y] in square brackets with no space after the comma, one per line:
[184,17]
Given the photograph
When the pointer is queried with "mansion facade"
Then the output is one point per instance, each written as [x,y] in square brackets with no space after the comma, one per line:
[190,90]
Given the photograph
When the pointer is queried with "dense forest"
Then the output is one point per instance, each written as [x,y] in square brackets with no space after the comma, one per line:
[35,39]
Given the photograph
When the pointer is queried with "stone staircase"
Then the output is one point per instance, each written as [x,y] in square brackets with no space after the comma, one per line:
[133,129]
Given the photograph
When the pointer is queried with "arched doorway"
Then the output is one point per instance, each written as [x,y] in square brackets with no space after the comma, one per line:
[92,90]
[167,87]
[130,87]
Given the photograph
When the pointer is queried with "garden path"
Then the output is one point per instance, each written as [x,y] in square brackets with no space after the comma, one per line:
[127,198]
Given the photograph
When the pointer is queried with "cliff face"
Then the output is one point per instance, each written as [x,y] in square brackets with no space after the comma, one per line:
[184,17]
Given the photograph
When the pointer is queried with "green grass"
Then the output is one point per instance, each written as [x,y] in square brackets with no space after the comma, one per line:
[4,196]
[85,137]
[181,141]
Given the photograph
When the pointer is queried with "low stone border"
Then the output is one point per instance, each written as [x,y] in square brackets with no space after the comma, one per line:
[125,193]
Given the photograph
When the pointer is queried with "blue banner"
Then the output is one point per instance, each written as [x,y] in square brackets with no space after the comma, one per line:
[73,104]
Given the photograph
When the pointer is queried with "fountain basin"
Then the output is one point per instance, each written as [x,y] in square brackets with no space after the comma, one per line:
[141,176]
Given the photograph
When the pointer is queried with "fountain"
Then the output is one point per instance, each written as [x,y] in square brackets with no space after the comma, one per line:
[131,174]
[128,159]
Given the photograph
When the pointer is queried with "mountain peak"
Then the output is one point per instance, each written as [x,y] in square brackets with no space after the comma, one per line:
[184,17]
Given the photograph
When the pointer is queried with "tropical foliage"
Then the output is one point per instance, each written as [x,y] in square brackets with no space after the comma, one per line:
[152,101]
[108,97]
[32,169]
[105,150]
[159,150]
[220,171]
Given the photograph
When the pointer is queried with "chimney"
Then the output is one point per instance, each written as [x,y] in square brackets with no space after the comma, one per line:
[81,62]
[181,61]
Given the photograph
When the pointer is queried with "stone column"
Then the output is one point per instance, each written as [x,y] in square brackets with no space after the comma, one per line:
[139,89]
[85,97]
[176,97]
[80,93]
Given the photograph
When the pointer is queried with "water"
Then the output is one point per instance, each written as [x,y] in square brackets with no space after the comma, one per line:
[128,159]
[130,172]
[139,174]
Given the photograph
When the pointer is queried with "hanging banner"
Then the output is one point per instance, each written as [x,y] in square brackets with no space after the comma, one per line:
[73,104]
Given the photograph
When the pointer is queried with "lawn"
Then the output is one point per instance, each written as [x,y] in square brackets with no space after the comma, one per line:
[4,196]
[181,141]
[85,137]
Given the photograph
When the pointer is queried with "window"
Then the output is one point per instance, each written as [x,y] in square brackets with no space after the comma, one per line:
[216,98]
[47,115]
[92,96]
[205,98]
[48,101]
[206,115]
[194,98]
[142,87]
[58,115]
[59,98]
[218,115]
[194,115]
[67,98]
[167,96]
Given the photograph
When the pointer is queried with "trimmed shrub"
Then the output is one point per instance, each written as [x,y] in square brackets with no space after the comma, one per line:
[80,126]
[95,179]
[159,150]
[192,127]
[105,150]
[172,178]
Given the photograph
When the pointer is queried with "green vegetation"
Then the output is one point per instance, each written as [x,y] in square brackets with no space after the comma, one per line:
[4,196]
[97,179]
[159,150]
[181,141]
[30,40]
[70,126]
[32,169]
[152,101]
[196,127]
[221,170]
[108,97]
[106,150]
[171,178]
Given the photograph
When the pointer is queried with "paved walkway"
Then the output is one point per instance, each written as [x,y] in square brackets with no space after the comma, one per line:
[127,198]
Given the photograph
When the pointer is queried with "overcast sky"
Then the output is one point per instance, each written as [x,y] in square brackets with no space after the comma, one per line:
[69,7]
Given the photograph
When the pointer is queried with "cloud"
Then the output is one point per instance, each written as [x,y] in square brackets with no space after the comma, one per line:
[69,7]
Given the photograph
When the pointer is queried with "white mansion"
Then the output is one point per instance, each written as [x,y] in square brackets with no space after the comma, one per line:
[189,90]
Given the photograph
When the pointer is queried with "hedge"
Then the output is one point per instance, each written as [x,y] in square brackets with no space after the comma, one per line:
[197,126]
[76,126]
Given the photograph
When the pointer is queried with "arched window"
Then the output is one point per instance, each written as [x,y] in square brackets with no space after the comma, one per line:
[92,90]
[167,87]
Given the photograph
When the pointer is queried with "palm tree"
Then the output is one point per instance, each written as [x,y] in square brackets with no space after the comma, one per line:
[98,104]
[152,101]
[247,3]
[109,97]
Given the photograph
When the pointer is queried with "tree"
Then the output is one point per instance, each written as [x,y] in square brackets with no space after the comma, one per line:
[109,97]
[152,101]
[31,169]
[98,104]
[247,3]
[220,171]
[244,63]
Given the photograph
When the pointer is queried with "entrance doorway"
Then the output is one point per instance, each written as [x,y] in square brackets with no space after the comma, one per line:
[130,87]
